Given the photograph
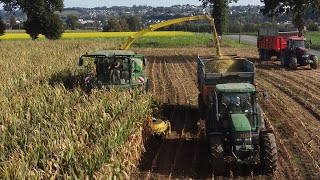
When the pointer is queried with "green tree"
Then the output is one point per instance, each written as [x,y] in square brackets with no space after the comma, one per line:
[2,27]
[72,22]
[113,25]
[40,14]
[53,27]
[13,21]
[134,22]
[124,24]
[311,25]
[297,8]
[33,27]
[219,12]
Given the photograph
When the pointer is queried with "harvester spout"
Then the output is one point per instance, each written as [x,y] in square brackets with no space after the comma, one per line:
[215,36]
[153,27]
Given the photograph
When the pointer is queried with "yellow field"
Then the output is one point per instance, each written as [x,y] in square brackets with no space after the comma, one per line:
[80,35]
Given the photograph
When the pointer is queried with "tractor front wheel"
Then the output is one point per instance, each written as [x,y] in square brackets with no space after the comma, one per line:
[293,63]
[268,154]
[315,62]
[216,155]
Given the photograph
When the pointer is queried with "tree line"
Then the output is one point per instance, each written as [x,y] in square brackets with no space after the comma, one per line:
[271,8]
[42,19]
[41,16]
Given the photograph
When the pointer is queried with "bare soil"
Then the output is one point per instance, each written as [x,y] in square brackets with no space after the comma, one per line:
[293,110]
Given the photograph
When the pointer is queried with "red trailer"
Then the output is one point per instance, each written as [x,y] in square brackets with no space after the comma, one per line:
[271,42]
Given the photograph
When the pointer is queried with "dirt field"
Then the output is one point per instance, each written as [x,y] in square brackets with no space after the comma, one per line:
[293,109]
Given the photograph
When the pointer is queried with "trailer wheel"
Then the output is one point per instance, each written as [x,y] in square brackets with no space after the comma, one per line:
[261,56]
[315,62]
[268,153]
[267,55]
[293,63]
[216,155]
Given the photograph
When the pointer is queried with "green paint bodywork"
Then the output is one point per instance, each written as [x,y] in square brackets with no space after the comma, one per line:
[235,87]
[110,53]
[134,63]
[240,123]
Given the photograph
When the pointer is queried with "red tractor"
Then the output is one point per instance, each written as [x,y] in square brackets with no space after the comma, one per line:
[287,46]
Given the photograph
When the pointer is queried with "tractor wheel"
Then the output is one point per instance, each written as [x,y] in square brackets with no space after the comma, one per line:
[201,107]
[293,63]
[315,62]
[283,59]
[216,155]
[268,152]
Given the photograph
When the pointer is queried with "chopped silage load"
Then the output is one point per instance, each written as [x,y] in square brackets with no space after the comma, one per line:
[222,66]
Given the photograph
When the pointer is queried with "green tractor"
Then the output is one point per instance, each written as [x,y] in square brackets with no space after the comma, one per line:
[116,69]
[235,128]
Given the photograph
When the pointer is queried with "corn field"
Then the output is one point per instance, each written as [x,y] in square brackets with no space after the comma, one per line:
[51,128]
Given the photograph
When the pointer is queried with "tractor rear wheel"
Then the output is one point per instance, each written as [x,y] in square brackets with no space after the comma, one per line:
[315,62]
[293,63]
[201,107]
[268,154]
[216,155]
[283,59]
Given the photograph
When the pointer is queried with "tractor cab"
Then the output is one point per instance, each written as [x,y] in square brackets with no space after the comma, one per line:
[235,115]
[296,43]
[116,68]
[235,104]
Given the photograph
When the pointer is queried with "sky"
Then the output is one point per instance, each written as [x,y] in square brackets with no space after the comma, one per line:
[109,3]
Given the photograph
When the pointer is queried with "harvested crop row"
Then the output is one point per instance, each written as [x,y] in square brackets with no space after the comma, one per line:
[287,122]
[183,154]
[301,95]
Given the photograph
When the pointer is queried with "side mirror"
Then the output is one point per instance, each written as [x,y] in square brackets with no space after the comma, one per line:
[80,61]
[145,61]
[265,95]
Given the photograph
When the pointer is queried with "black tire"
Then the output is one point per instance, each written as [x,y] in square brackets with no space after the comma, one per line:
[268,152]
[267,55]
[201,107]
[261,55]
[293,63]
[315,62]
[216,155]
[283,60]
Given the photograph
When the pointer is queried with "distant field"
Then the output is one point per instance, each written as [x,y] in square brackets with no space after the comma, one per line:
[151,39]
[83,35]
[315,37]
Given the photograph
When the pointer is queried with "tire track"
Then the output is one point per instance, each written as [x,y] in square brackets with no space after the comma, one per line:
[303,97]
[182,154]
[289,128]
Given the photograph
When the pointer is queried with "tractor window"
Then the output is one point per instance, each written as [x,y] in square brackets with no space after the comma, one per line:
[298,44]
[119,70]
[237,103]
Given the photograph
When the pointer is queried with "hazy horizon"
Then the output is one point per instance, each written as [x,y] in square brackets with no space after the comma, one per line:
[109,3]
